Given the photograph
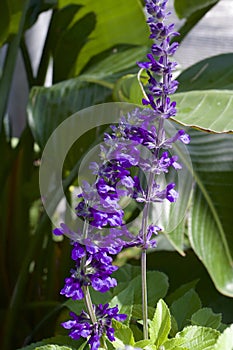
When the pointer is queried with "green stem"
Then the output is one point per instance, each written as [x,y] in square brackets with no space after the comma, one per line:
[9,65]
[143,259]
[87,296]
[144,294]
[89,305]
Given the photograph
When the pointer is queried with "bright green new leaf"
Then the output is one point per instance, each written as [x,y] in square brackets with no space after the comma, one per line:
[160,326]
[183,308]
[207,318]
[175,344]
[123,335]
[198,338]
[145,344]
[225,340]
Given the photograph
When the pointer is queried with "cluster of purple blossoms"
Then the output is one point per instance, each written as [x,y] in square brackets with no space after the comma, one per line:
[100,203]
[81,326]
[159,63]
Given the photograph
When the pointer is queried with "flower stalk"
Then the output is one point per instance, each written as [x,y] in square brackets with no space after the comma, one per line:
[99,203]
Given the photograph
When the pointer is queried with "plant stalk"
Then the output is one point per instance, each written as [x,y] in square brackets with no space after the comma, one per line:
[89,305]
[144,294]
[143,259]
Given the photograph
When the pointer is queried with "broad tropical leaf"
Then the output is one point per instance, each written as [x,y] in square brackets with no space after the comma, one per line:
[209,110]
[211,221]
[124,20]
[211,73]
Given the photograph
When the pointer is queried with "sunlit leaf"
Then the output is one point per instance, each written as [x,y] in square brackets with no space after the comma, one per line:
[225,340]
[160,325]
[125,23]
[198,338]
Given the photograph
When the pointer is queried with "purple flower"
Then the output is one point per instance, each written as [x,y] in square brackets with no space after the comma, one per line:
[145,242]
[111,244]
[159,63]
[156,195]
[81,326]
[93,268]
[161,165]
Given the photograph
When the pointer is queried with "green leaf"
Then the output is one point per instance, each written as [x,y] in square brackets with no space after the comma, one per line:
[211,73]
[212,157]
[157,283]
[138,314]
[124,300]
[15,8]
[123,335]
[198,338]
[48,107]
[64,65]
[207,318]
[177,236]
[225,340]
[208,110]
[183,308]
[175,344]
[160,326]
[145,344]
[127,273]
[179,292]
[125,23]
[116,64]
[127,89]
[5,20]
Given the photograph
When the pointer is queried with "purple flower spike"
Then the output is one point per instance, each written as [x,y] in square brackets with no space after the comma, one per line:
[81,326]
[93,268]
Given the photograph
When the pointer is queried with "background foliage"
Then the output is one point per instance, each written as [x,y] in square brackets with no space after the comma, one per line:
[99,66]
